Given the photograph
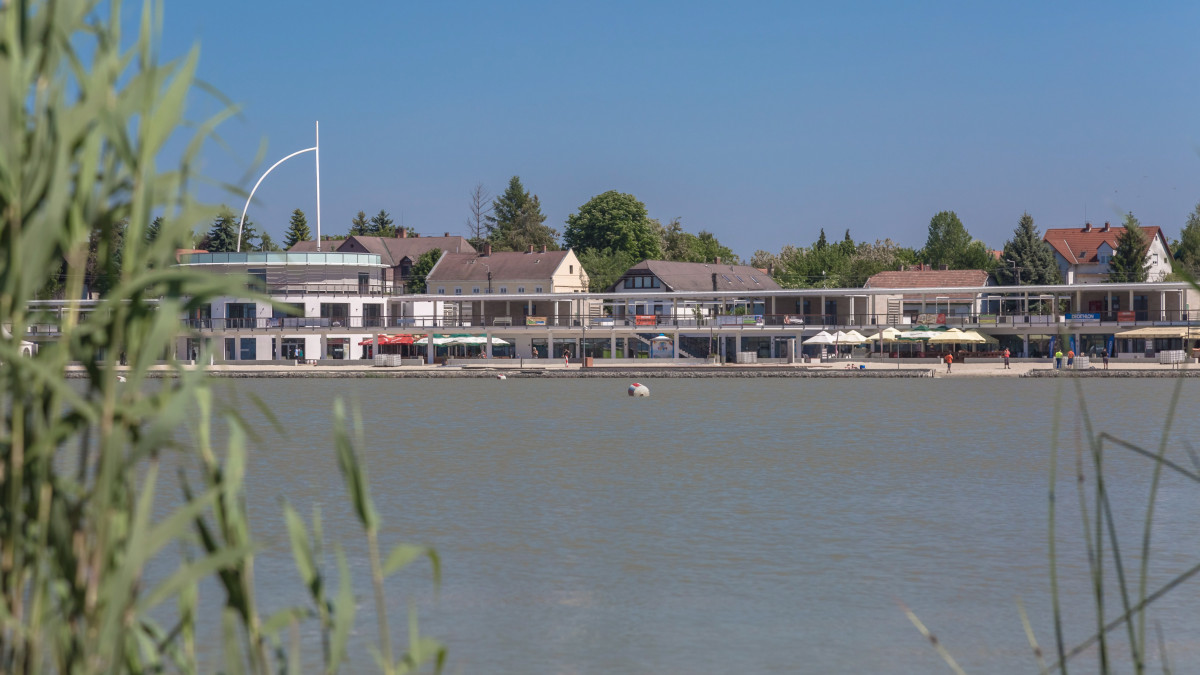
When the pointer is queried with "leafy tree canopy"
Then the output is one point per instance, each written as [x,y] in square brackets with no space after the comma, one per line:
[680,246]
[605,266]
[421,269]
[613,220]
[1028,255]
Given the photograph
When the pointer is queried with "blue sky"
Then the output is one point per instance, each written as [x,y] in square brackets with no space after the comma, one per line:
[760,122]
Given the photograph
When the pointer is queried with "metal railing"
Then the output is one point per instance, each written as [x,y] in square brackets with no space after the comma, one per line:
[648,322]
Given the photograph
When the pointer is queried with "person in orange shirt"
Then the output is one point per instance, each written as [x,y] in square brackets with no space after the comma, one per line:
[1006,359]
[949,360]
[1070,358]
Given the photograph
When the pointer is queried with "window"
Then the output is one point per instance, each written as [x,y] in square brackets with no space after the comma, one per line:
[726,278]
[458,290]
[654,282]
[740,279]
[441,290]
[364,282]
[503,289]
[570,269]
[520,289]
[230,348]
[258,280]
[629,282]
[475,290]
[1153,258]
[538,289]
[249,349]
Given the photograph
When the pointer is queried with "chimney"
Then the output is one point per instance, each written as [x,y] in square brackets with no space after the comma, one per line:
[1087,227]
[943,268]
[770,269]
[901,268]
[404,233]
[543,248]
[718,260]
[487,250]
[1107,227]
[715,288]
[530,249]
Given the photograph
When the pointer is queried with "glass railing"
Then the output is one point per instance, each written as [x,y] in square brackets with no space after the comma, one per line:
[283,258]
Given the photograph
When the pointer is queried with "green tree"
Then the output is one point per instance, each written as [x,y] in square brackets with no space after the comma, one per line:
[266,244]
[1030,254]
[605,266]
[297,230]
[517,221]
[708,249]
[1187,249]
[613,220]
[382,225]
[222,236]
[848,246]
[947,241]
[822,242]
[421,269]
[360,226]
[1128,264]
[154,230]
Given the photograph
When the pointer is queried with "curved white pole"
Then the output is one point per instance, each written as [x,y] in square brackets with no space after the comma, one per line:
[242,221]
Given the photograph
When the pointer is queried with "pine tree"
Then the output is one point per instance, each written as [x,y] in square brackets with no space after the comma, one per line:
[222,236]
[154,230]
[517,220]
[297,230]
[382,225]
[1187,250]
[1032,256]
[266,244]
[360,226]
[1128,264]
[822,242]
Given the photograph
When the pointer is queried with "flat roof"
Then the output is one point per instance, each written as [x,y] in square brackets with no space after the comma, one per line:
[282,258]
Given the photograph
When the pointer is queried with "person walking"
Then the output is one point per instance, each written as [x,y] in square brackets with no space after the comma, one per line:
[949,360]
[1058,359]
[1070,358]
[1006,366]
[566,358]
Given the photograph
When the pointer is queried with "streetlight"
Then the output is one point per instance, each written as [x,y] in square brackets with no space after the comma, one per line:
[317,149]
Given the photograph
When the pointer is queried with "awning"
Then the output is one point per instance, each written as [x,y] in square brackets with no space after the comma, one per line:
[1160,332]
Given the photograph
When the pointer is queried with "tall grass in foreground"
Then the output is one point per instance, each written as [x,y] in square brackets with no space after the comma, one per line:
[1125,614]
[86,113]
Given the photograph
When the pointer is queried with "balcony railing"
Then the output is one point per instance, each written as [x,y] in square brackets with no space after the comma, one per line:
[651,322]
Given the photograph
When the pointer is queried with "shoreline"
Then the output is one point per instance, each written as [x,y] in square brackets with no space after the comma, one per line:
[847,370]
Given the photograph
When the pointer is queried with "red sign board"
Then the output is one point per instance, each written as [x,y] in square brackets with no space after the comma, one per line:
[645,320]
[1125,317]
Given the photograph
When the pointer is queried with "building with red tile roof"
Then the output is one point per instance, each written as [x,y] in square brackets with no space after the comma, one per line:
[1083,253]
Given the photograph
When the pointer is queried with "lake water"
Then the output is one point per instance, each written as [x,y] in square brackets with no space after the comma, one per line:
[724,525]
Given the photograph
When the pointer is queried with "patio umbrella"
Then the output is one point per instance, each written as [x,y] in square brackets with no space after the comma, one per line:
[660,338]
[822,338]
[976,337]
[953,335]
[887,335]
[854,337]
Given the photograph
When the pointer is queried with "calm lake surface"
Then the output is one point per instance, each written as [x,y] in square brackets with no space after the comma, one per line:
[725,525]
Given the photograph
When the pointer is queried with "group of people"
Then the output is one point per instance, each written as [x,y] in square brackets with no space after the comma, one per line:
[1058,358]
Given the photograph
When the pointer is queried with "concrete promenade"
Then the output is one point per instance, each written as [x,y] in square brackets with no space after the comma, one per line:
[838,369]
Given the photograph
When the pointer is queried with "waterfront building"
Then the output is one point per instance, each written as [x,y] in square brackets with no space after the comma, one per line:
[546,283]
[398,253]
[1083,253]
[921,308]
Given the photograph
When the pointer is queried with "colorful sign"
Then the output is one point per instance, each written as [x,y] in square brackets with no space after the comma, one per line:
[645,320]
[740,320]
[1084,316]
[931,319]
[987,319]
[1126,317]
[535,321]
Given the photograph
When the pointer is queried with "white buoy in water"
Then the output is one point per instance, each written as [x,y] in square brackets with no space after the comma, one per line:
[120,378]
[501,376]
[636,389]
